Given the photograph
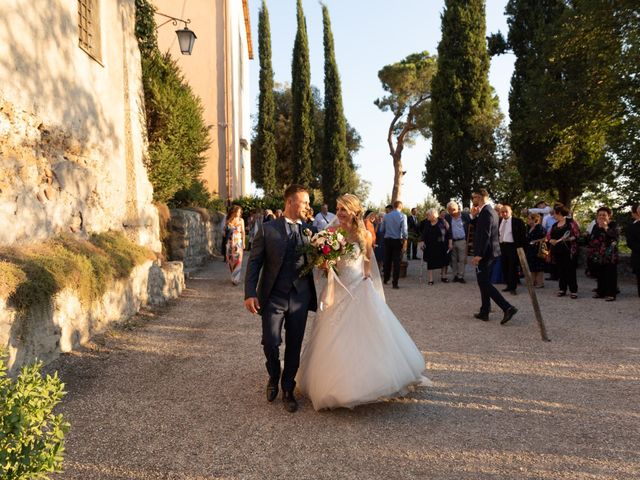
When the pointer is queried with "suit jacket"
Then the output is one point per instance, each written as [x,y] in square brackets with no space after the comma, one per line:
[519,231]
[414,225]
[486,238]
[265,260]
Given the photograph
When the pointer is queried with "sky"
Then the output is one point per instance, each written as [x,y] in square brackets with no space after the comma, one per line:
[369,34]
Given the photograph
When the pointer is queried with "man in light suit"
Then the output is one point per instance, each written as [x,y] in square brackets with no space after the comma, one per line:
[274,289]
[486,247]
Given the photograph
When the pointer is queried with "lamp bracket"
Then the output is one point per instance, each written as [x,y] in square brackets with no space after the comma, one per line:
[173,20]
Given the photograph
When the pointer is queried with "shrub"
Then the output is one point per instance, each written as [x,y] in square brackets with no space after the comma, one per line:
[197,195]
[32,274]
[31,435]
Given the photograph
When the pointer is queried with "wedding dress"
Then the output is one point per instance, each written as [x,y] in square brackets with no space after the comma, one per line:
[358,352]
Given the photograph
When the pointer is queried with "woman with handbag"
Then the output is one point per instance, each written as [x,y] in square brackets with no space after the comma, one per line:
[537,251]
[603,254]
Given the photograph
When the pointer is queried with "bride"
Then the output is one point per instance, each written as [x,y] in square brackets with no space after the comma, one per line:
[358,351]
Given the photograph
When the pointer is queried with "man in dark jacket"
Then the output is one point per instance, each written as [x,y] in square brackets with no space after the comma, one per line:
[633,241]
[414,234]
[486,248]
[513,235]
[275,290]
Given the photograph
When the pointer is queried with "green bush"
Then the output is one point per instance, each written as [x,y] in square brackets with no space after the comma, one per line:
[31,435]
[32,274]
[197,195]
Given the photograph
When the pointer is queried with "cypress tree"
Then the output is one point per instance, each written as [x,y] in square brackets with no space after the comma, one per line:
[464,112]
[303,136]
[335,171]
[264,161]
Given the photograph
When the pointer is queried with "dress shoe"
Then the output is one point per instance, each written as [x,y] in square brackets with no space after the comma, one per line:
[462,280]
[455,280]
[272,391]
[482,316]
[506,289]
[289,400]
[396,287]
[508,315]
[513,292]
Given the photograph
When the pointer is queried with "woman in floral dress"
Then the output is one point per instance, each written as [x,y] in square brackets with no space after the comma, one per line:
[235,243]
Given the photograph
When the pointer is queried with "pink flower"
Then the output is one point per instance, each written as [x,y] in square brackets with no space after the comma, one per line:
[326,250]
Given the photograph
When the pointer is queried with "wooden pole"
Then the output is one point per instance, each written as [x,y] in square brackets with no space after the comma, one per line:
[532,293]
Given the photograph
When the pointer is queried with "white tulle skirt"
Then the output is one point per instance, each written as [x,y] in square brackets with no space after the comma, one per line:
[358,352]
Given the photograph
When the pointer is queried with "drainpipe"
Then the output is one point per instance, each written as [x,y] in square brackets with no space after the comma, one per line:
[227,100]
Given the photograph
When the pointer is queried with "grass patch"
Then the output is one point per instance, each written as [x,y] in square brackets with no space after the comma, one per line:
[32,274]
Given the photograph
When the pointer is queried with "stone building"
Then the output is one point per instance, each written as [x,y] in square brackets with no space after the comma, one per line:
[72,137]
[218,72]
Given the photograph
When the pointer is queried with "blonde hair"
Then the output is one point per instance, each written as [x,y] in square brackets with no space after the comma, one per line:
[352,204]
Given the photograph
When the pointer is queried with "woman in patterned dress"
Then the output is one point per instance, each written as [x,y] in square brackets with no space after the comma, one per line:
[235,242]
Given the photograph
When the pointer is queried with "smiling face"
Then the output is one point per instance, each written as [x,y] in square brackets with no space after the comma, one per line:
[297,206]
[344,215]
[603,217]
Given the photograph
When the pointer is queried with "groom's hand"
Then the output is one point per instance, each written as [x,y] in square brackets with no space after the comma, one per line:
[252,304]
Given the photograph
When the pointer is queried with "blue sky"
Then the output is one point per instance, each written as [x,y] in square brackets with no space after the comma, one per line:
[368,35]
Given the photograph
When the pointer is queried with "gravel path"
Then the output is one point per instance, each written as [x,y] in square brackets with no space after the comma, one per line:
[179,394]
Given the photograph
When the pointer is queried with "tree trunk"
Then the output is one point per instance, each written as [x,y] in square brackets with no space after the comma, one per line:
[397,176]
[565,197]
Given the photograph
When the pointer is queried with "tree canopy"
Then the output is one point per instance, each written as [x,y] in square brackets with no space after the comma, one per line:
[408,84]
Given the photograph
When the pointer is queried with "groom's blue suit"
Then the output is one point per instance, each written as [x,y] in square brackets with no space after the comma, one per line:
[284,296]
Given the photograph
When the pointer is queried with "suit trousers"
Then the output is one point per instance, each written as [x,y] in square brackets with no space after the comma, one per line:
[487,291]
[509,264]
[392,258]
[291,311]
[459,257]
[412,249]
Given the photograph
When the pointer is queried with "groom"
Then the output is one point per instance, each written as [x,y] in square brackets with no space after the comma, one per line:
[274,289]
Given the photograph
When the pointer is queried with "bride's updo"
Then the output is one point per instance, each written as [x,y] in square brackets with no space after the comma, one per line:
[352,204]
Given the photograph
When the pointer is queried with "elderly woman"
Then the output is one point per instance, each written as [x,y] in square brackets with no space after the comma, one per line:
[564,250]
[602,252]
[535,237]
[436,239]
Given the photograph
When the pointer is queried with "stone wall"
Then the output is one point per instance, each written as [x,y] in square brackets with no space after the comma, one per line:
[194,236]
[47,330]
[72,132]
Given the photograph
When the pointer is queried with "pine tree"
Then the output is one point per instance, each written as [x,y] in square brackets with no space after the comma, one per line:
[303,135]
[464,112]
[263,167]
[335,171]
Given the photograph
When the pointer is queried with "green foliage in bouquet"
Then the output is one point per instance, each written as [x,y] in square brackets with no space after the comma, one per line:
[31,435]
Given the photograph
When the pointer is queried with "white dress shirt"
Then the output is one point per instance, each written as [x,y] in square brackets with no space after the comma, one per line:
[506,235]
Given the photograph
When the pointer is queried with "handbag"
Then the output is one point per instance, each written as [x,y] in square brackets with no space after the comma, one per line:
[543,250]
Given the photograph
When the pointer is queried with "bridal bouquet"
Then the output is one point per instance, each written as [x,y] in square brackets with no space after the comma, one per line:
[325,249]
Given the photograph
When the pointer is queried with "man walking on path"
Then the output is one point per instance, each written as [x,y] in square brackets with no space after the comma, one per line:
[486,248]
[395,231]
[274,288]
[414,229]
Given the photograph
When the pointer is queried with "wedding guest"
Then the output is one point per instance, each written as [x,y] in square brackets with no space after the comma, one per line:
[436,240]
[309,219]
[535,236]
[235,242]
[278,213]
[633,242]
[323,218]
[513,234]
[255,223]
[395,232]
[602,251]
[564,250]
[459,222]
[378,250]
[414,234]
[543,208]
[442,216]
[369,223]
[268,216]
[486,247]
